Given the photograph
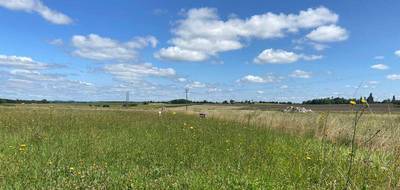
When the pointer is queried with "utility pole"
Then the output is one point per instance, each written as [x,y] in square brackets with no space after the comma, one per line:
[127,99]
[186,92]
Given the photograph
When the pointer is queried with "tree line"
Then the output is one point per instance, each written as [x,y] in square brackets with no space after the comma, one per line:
[338,100]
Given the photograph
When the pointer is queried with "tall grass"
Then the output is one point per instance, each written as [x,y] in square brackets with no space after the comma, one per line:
[339,126]
[99,149]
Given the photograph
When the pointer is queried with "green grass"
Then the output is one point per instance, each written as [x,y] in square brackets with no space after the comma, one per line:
[73,149]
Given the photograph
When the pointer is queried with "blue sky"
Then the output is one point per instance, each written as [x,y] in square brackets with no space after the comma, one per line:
[259,50]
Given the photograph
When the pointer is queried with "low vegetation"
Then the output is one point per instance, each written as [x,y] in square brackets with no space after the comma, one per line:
[59,148]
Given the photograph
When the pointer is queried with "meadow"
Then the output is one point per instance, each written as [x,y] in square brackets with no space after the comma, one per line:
[65,147]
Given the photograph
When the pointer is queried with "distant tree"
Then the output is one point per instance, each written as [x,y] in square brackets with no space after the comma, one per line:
[44,101]
[370,99]
[179,101]
[394,99]
[225,102]
[232,101]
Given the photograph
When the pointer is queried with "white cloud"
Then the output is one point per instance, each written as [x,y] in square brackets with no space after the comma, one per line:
[100,48]
[256,79]
[21,62]
[397,53]
[181,79]
[28,84]
[330,33]
[213,90]
[202,34]
[379,57]
[279,56]
[276,56]
[318,46]
[196,84]
[300,74]
[380,67]
[131,72]
[57,42]
[260,92]
[178,54]
[34,75]
[372,82]
[284,87]
[38,7]
[393,77]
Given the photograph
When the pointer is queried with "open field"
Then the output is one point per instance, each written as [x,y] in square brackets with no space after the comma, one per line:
[384,128]
[376,108]
[71,147]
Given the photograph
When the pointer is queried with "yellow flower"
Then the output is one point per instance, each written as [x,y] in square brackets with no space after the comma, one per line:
[191,127]
[71,168]
[308,158]
[352,102]
[363,101]
[22,147]
[174,113]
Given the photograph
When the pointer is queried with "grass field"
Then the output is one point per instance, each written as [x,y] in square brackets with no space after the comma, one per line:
[66,148]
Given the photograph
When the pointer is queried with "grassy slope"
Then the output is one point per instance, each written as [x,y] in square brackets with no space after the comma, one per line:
[119,149]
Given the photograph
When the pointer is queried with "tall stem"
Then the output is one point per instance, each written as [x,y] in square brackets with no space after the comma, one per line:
[353,145]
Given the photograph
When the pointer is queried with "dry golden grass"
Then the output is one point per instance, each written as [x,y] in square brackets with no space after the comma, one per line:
[376,131]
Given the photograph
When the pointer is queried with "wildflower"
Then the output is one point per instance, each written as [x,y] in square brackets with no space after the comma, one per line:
[308,158]
[173,113]
[22,147]
[71,168]
[363,101]
[352,102]
[184,123]
[191,127]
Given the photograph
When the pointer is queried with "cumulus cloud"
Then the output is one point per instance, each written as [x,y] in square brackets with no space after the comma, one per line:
[136,72]
[202,33]
[300,74]
[100,48]
[330,33]
[380,67]
[393,77]
[178,54]
[39,7]
[21,62]
[278,56]
[256,79]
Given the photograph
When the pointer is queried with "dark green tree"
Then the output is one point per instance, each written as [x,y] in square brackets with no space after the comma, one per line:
[370,99]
